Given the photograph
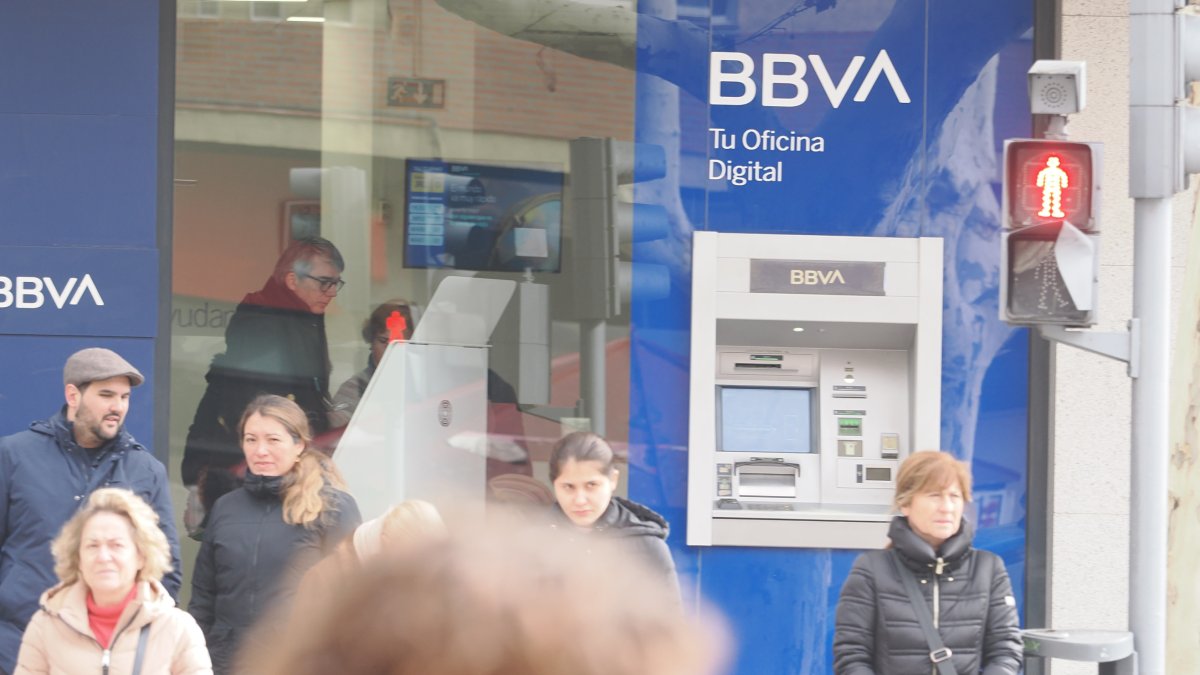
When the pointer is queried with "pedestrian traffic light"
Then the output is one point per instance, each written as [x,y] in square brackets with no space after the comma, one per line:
[606,222]
[1050,181]
[1050,243]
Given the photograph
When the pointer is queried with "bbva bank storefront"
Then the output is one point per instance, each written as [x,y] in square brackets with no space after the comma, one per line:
[828,166]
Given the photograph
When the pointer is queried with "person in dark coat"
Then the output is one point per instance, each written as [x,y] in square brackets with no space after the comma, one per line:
[584,474]
[48,471]
[261,538]
[275,344]
[968,591]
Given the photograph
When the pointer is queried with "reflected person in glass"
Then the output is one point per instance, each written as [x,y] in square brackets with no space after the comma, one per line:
[275,344]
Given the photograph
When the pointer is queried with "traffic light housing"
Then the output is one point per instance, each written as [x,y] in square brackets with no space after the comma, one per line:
[606,222]
[1050,243]
[1164,128]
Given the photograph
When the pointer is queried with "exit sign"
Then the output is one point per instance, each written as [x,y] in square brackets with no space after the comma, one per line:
[415,92]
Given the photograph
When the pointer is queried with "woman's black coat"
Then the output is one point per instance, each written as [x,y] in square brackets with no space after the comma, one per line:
[250,560]
[877,631]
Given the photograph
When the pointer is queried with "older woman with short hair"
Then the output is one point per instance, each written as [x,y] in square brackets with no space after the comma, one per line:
[110,610]
[965,592]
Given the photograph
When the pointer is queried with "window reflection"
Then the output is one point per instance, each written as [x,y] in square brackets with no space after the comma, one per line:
[294,129]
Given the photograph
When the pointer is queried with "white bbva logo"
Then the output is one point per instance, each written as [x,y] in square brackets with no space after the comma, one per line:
[786,71]
[817,277]
[31,292]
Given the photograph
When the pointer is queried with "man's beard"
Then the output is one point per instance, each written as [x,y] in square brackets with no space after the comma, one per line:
[95,427]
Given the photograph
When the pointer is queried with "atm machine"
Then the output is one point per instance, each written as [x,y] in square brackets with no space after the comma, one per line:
[420,430]
[815,370]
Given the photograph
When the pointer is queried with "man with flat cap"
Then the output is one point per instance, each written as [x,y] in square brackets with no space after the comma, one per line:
[48,471]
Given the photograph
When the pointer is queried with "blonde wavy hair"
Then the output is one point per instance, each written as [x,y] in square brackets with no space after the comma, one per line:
[305,499]
[147,536]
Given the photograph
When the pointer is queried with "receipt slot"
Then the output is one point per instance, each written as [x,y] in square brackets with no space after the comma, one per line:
[815,370]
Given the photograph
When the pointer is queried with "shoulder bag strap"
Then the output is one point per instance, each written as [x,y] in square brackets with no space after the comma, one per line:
[141,650]
[939,653]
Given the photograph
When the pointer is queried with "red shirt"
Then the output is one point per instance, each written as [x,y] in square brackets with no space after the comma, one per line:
[103,620]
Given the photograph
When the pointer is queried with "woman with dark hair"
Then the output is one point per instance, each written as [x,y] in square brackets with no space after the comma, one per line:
[392,320]
[290,512]
[584,473]
[929,569]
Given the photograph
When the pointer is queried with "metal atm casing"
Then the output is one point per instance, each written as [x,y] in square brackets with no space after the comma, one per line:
[868,353]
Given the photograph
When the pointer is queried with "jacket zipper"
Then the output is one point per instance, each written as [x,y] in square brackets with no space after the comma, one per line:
[937,602]
[106,653]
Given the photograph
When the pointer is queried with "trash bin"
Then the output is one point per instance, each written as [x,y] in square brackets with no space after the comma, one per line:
[1112,649]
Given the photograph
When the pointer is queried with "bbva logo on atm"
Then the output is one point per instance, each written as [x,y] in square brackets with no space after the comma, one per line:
[33,292]
[783,83]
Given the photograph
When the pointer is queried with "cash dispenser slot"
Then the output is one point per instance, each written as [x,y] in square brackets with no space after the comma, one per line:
[767,478]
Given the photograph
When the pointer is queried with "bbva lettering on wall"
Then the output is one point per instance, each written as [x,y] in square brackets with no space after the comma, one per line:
[786,73]
[62,290]
[33,292]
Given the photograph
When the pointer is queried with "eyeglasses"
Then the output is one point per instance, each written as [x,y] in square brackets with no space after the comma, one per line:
[327,283]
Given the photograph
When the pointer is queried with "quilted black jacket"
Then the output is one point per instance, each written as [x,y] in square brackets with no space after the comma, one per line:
[976,615]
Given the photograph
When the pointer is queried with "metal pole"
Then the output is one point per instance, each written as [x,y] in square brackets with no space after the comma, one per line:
[1153,177]
[1150,453]
[592,344]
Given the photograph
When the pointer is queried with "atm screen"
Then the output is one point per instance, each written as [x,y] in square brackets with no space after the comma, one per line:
[762,419]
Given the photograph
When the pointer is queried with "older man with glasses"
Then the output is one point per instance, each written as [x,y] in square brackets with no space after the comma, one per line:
[274,344]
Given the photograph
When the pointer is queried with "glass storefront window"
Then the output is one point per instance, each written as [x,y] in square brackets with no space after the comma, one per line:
[433,151]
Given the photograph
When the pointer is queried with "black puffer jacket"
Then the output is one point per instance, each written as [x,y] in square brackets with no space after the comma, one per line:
[251,560]
[877,630]
[638,530]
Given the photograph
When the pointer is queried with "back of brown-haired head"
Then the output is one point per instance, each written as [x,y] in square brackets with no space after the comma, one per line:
[500,602]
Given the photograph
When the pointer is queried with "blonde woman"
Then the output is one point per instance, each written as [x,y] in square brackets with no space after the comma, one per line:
[110,610]
[291,511]
[406,526]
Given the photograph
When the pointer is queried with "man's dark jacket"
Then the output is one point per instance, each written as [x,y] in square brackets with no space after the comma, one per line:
[44,478]
[273,345]
[877,631]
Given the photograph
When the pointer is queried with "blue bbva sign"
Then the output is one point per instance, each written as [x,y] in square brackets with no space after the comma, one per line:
[827,118]
[78,291]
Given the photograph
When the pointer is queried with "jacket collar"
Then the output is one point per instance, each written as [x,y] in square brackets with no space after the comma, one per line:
[62,431]
[276,295]
[917,553]
[623,518]
[263,487]
[68,603]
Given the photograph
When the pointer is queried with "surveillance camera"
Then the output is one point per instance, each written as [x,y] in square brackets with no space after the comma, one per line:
[1057,87]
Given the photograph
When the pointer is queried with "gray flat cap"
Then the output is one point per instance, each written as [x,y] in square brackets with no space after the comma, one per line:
[97,363]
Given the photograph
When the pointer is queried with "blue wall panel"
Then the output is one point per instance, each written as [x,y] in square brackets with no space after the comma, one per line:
[925,168]
[78,183]
[83,58]
[78,179]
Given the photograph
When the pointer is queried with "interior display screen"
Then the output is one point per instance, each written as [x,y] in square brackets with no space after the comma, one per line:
[482,217]
[755,419]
